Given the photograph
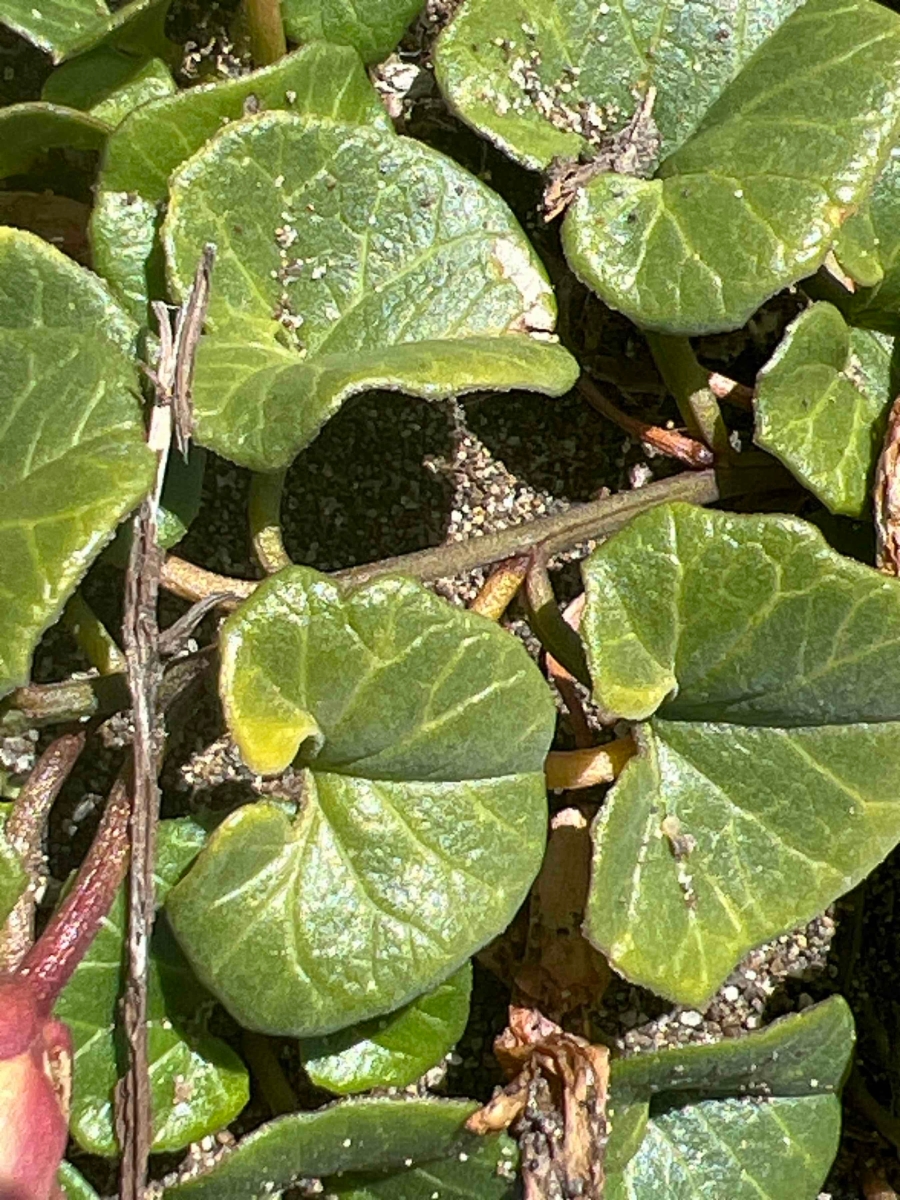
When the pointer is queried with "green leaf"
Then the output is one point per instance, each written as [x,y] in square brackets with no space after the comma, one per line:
[108,84]
[197,1082]
[422,732]
[73,460]
[354,1135]
[876,228]
[179,503]
[328,81]
[486,1170]
[761,666]
[720,230]
[28,131]
[821,405]
[13,876]
[374,30]
[67,27]
[333,276]
[557,79]
[756,1116]
[73,1184]
[393,1050]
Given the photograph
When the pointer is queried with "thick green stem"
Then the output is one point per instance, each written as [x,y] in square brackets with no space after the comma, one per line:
[267,40]
[92,636]
[267,1070]
[689,384]
[265,521]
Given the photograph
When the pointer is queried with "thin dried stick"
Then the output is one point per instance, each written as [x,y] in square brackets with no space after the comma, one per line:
[25,830]
[500,587]
[730,390]
[566,684]
[886,497]
[171,413]
[666,441]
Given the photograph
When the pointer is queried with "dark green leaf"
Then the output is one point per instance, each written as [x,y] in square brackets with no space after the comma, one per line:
[29,130]
[721,229]
[756,1116]
[821,406]
[328,81]
[108,84]
[422,732]
[197,1083]
[876,228]
[67,27]
[334,275]
[73,460]
[179,504]
[556,79]
[762,664]
[355,1135]
[374,29]
[393,1050]
[486,1170]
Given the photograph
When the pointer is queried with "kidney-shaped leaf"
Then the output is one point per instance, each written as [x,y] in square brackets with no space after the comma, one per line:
[394,1136]
[197,1082]
[723,227]
[485,1170]
[758,1116]
[422,732]
[73,460]
[66,27]
[108,84]
[373,29]
[556,79]
[153,141]
[349,258]
[393,1050]
[762,667]
[821,405]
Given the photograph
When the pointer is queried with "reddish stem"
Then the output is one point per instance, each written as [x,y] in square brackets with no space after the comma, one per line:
[51,961]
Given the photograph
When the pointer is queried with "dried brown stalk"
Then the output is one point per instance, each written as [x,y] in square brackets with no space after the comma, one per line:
[171,414]
[666,441]
[886,497]
[501,586]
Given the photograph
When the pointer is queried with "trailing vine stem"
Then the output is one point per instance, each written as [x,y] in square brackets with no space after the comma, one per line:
[689,384]
[266,29]
[555,533]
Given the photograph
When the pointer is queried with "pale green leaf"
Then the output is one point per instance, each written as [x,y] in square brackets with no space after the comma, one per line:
[761,666]
[393,1050]
[355,1135]
[73,1184]
[73,460]
[108,84]
[821,405]
[13,877]
[29,130]
[349,259]
[372,29]
[556,79]
[754,1117]
[876,227]
[421,733]
[719,229]
[67,27]
[197,1082]
[328,81]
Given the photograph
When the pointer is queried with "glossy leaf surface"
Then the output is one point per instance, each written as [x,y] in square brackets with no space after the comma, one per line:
[197,1082]
[73,460]
[67,27]
[875,228]
[355,1135]
[720,230]
[374,29]
[821,406]
[760,665]
[556,79]
[334,274]
[325,80]
[486,1170]
[74,1185]
[393,1050]
[421,733]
